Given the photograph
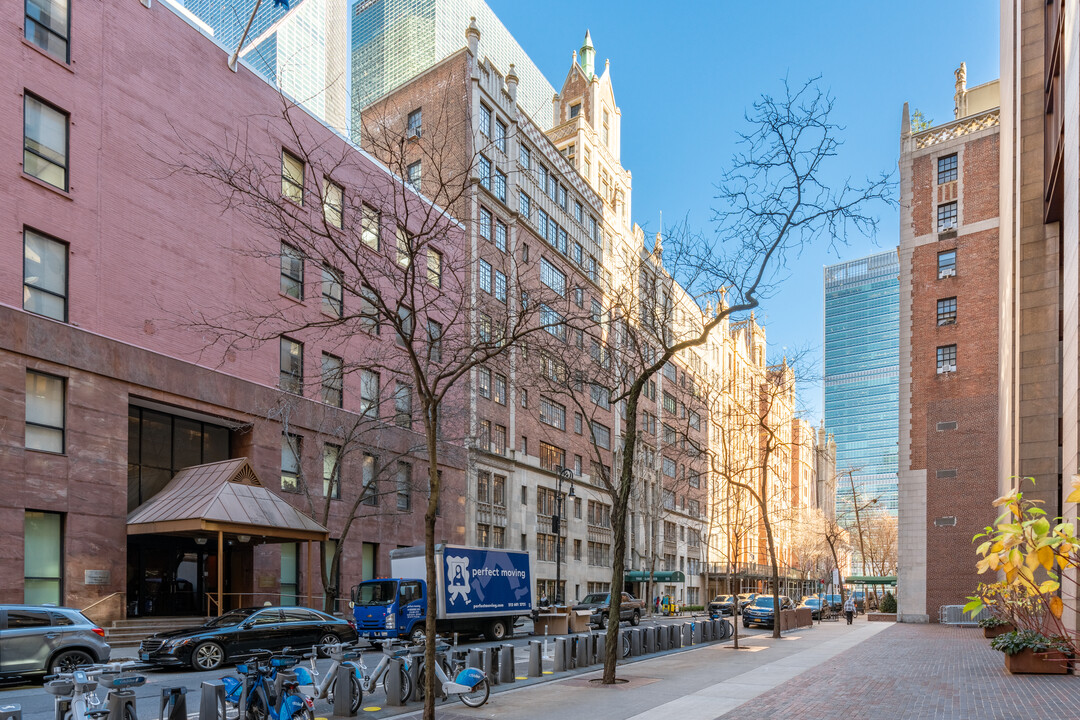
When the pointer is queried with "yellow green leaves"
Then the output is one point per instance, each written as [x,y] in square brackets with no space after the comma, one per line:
[1056,606]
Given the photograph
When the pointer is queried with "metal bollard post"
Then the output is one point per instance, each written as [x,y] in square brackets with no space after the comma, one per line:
[650,639]
[568,653]
[583,651]
[560,655]
[536,663]
[491,665]
[343,691]
[601,647]
[687,634]
[173,703]
[393,683]
[699,635]
[476,658]
[211,700]
[674,637]
[507,668]
[661,638]
[635,641]
[11,711]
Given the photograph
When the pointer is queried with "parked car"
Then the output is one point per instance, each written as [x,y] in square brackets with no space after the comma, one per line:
[860,600]
[630,608]
[745,599]
[722,605]
[231,635]
[836,604]
[814,603]
[46,639]
[762,610]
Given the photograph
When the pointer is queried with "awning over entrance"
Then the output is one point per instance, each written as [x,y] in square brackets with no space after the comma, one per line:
[870,580]
[668,576]
[222,497]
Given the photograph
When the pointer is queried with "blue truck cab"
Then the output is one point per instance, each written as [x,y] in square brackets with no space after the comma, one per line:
[478,590]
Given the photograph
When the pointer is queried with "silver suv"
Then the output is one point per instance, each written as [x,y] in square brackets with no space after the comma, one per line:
[39,638]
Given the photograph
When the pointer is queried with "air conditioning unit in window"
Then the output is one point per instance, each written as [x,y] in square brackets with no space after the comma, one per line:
[414,132]
[946,272]
[946,225]
[946,369]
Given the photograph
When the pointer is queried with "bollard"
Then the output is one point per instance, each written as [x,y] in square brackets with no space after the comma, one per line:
[699,634]
[653,637]
[601,645]
[476,658]
[675,637]
[706,630]
[491,665]
[635,641]
[718,628]
[581,651]
[343,690]
[173,703]
[661,638]
[536,660]
[211,701]
[393,683]
[568,653]
[560,655]
[687,634]
[11,711]
[506,664]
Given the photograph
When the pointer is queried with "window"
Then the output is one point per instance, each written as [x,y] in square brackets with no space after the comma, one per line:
[485,120]
[604,118]
[596,311]
[434,337]
[670,436]
[500,235]
[404,486]
[415,123]
[670,373]
[525,156]
[498,439]
[524,205]
[668,467]
[542,225]
[43,565]
[369,227]
[599,554]
[369,393]
[434,267]
[483,271]
[601,435]
[483,171]
[579,297]
[579,210]
[946,311]
[670,405]
[483,487]
[552,413]
[332,380]
[498,491]
[292,272]
[44,275]
[575,110]
[601,396]
[500,135]
[946,169]
[562,197]
[500,286]
[332,303]
[405,325]
[693,537]
[412,174]
[545,551]
[946,359]
[45,419]
[370,492]
[485,224]
[551,457]
[290,462]
[291,372]
[694,420]
[552,277]
[47,27]
[482,530]
[578,423]
[331,471]
[498,537]
[498,389]
[500,185]
[45,142]
[545,501]
[946,217]
[333,203]
[369,310]
[292,177]
[552,322]
[946,264]
[483,382]
[404,252]
[524,395]
[403,405]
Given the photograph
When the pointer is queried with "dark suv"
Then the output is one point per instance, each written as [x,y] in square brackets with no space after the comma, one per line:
[40,638]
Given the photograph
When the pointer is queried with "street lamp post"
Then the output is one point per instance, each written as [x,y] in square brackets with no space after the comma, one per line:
[556,526]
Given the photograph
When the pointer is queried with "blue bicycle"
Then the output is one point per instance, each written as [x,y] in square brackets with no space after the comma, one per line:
[259,694]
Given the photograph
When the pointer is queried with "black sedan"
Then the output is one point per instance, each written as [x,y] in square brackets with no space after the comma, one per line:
[722,605]
[238,632]
[815,606]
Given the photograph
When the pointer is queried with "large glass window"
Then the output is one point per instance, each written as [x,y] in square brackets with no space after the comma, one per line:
[47,24]
[331,473]
[44,412]
[291,373]
[333,203]
[292,177]
[369,227]
[292,272]
[290,462]
[552,277]
[44,275]
[45,142]
[946,264]
[332,380]
[369,393]
[946,359]
[946,311]
[946,169]
[404,486]
[403,405]
[290,574]
[43,552]
[552,413]
[332,301]
[946,217]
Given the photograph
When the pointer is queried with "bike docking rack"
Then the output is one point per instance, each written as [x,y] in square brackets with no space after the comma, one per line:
[75,694]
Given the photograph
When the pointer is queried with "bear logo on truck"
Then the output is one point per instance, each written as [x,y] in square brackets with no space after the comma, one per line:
[457,586]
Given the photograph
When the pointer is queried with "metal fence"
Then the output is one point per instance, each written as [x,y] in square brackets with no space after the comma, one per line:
[955,615]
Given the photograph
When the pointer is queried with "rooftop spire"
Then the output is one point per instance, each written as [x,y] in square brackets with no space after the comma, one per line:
[588,56]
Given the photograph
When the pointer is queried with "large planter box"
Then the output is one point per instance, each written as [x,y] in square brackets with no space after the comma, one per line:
[999,630]
[1028,661]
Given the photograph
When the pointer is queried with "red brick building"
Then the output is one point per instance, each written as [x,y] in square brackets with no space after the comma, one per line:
[949,320]
[108,391]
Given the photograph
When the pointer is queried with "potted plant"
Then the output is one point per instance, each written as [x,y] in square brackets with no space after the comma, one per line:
[994,626]
[1028,651]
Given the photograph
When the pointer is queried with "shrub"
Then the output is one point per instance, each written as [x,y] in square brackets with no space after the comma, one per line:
[888,603]
[992,622]
[1016,641]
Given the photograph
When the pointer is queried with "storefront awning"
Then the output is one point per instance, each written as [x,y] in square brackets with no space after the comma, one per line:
[224,497]
[870,580]
[668,576]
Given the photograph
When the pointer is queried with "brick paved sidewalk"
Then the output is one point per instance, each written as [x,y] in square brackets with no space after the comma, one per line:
[916,672]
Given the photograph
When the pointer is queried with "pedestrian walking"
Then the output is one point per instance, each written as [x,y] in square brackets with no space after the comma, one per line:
[849,608]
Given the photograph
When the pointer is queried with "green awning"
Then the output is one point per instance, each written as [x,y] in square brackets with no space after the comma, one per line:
[668,576]
[870,580]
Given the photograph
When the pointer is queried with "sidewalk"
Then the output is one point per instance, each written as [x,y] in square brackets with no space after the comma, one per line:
[832,671]
[699,684]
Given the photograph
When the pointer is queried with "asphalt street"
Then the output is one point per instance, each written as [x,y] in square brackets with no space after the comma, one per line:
[36,704]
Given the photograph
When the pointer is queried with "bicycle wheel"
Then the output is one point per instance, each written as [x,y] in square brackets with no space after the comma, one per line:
[357,693]
[477,697]
[421,682]
[256,708]
[406,685]
[625,645]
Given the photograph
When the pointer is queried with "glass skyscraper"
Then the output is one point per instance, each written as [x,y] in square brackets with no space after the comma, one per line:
[862,372]
[395,40]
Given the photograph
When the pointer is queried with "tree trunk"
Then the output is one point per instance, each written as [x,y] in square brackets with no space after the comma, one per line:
[431,418]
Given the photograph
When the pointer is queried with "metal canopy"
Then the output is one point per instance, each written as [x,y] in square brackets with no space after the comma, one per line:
[223,497]
[657,576]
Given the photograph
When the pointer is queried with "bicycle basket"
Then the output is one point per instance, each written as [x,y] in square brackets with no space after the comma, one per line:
[60,686]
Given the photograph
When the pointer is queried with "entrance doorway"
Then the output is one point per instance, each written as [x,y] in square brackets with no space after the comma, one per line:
[171,575]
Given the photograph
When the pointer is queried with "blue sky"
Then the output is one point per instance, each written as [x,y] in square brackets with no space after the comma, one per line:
[685,72]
